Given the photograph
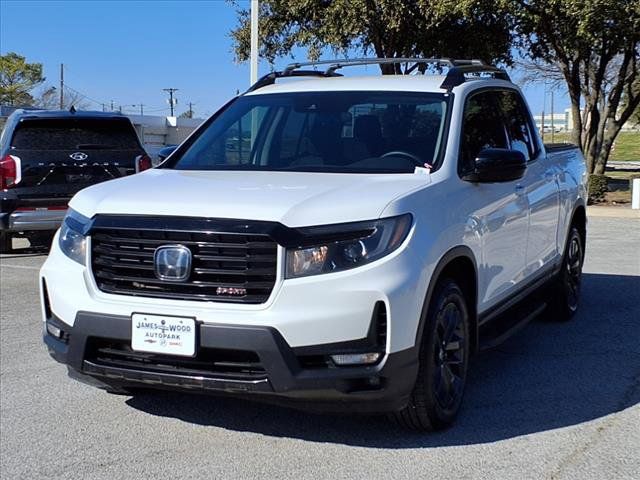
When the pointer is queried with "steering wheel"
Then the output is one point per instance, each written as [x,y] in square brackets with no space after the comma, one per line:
[398,153]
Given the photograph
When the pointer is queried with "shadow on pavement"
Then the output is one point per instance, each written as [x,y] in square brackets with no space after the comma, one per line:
[550,375]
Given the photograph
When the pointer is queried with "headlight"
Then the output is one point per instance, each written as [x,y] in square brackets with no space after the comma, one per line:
[346,246]
[72,239]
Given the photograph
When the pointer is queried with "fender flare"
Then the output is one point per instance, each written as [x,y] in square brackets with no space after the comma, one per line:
[579,204]
[460,251]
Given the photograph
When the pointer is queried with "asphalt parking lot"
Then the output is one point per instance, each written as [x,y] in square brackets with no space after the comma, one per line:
[555,401]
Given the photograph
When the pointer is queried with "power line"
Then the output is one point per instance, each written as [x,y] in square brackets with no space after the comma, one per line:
[86,97]
[65,88]
[112,104]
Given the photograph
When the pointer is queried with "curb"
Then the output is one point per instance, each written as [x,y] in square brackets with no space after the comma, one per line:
[612,212]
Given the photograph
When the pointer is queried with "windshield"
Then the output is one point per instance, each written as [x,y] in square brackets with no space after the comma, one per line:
[343,132]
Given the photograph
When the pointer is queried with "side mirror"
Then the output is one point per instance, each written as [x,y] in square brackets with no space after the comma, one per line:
[166,151]
[497,165]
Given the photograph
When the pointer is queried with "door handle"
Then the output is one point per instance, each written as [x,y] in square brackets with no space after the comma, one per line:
[519,189]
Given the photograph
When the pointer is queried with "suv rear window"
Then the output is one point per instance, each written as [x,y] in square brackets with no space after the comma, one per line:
[75,134]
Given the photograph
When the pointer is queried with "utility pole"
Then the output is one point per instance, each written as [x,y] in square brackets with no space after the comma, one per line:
[255,5]
[255,12]
[190,110]
[552,125]
[61,86]
[141,108]
[104,107]
[172,102]
[112,105]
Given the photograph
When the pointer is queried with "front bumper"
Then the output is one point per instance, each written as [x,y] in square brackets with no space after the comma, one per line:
[307,311]
[283,376]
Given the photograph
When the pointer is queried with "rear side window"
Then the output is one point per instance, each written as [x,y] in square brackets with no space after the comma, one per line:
[74,134]
[516,120]
[482,128]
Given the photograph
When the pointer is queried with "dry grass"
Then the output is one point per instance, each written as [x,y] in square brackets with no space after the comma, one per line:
[626,146]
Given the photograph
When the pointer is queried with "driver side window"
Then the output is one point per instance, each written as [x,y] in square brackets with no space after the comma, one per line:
[482,127]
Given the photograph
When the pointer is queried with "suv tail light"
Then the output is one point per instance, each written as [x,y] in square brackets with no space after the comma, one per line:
[10,172]
[143,162]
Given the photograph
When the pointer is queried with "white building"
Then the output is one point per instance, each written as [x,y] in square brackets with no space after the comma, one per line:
[557,122]
[157,132]
[563,122]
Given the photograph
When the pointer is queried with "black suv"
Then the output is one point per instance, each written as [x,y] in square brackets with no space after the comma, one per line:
[47,156]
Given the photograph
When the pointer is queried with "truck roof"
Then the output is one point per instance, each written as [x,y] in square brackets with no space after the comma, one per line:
[24,113]
[417,83]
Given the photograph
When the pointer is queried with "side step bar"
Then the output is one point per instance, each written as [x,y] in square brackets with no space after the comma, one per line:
[509,323]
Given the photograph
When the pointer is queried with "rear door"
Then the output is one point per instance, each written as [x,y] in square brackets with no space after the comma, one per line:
[73,153]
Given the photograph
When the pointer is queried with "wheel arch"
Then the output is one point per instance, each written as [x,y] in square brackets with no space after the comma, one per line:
[579,219]
[458,263]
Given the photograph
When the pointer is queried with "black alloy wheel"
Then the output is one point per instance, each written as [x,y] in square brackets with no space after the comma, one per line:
[444,359]
[449,356]
[566,288]
[573,274]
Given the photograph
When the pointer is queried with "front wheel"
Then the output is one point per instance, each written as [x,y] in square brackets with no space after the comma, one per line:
[566,288]
[444,359]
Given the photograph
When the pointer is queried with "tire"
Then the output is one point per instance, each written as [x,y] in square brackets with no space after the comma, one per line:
[565,293]
[439,388]
[41,239]
[6,244]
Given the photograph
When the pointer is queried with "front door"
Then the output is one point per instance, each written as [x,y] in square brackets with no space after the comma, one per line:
[499,210]
[539,183]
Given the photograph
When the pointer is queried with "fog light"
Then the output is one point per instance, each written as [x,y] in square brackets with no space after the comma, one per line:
[356,358]
[53,330]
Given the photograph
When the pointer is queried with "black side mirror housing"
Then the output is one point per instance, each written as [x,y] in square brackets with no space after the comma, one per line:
[166,151]
[497,165]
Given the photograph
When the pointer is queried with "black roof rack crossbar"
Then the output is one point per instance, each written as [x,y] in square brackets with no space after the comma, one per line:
[456,75]
[270,78]
[457,69]
[355,62]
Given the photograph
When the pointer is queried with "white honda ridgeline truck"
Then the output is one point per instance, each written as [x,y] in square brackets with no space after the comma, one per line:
[333,243]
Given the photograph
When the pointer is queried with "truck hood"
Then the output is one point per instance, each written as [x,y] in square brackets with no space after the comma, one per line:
[292,198]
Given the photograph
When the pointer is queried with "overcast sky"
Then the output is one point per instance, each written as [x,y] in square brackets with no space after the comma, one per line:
[129,51]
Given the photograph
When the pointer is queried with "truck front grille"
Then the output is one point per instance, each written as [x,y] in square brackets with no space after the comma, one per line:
[226,267]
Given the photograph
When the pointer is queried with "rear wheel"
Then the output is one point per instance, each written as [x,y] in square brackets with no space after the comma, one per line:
[444,359]
[6,245]
[566,288]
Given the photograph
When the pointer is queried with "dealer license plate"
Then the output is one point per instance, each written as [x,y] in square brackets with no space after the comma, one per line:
[160,334]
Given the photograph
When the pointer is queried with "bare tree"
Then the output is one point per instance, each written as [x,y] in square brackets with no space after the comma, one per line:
[595,47]
[49,99]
